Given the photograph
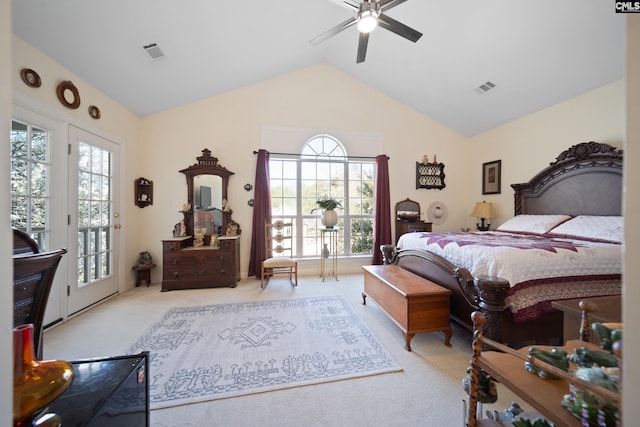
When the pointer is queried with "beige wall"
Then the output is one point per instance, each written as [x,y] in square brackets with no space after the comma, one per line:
[116,124]
[324,98]
[319,97]
[529,144]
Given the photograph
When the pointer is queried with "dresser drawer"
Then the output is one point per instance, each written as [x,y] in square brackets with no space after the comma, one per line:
[196,258]
[202,271]
[227,245]
[418,227]
[190,267]
[171,246]
[403,227]
[176,244]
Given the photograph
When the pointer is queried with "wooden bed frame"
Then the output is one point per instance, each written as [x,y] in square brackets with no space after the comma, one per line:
[586,179]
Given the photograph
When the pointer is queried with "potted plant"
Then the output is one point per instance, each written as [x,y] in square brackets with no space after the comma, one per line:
[329,216]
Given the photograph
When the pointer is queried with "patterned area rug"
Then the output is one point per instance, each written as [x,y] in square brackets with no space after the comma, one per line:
[225,350]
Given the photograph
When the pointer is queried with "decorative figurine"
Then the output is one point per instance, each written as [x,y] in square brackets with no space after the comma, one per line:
[232,230]
[144,259]
[198,241]
[180,229]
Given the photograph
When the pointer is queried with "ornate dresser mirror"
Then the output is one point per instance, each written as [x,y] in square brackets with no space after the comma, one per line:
[207,253]
[207,187]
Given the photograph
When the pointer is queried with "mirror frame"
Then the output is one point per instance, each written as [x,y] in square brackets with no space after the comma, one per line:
[207,165]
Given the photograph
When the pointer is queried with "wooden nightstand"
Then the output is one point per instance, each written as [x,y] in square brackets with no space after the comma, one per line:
[608,309]
[403,227]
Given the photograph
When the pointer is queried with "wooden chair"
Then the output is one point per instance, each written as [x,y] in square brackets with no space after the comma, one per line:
[32,279]
[24,244]
[279,242]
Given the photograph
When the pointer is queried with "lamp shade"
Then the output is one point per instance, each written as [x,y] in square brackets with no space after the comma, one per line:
[483,210]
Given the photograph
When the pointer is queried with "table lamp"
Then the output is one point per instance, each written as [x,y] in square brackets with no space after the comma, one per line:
[483,211]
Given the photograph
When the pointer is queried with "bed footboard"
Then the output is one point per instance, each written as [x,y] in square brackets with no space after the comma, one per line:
[469,294]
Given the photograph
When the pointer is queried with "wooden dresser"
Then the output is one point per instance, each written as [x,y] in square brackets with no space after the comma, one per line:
[189,267]
[403,227]
[207,215]
[408,218]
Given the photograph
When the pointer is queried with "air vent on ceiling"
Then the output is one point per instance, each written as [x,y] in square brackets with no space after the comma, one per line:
[485,87]
[154,51]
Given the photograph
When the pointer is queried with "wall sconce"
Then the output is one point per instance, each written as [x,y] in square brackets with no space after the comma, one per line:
[483,211]
[248,187]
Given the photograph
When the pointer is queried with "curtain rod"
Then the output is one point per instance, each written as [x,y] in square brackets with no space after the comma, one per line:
[343,157]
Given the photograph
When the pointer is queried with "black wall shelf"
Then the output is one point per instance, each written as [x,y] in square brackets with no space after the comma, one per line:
[430,175]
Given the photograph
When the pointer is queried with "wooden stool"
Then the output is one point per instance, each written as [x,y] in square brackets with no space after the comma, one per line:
[143,272]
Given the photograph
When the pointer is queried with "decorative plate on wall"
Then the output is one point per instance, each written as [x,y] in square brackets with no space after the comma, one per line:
[68,94]
[30,77]
[94,112]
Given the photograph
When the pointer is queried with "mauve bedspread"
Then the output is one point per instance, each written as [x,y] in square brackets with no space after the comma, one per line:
[539,268]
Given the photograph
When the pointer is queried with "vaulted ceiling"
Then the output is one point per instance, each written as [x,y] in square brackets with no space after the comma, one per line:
[536,53]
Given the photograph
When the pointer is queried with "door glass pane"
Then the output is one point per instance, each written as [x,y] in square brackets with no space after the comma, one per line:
[31,181]
[94,214]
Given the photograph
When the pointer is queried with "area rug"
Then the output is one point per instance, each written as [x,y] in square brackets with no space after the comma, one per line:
[225,350]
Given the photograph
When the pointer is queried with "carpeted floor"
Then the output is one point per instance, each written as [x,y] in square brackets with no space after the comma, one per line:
[427,392]
[200,353]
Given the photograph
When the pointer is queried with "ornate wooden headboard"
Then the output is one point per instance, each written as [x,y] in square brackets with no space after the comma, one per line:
[586,179]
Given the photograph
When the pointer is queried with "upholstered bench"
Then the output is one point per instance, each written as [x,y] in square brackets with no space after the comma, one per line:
[415,304]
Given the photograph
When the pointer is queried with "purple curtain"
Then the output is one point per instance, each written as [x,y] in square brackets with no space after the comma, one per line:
[382,209]
[261,214]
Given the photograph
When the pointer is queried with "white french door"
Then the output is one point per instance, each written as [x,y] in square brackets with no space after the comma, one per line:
[38,197]
[93,219]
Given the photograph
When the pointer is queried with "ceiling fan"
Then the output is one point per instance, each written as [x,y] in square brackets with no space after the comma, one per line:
[370,15]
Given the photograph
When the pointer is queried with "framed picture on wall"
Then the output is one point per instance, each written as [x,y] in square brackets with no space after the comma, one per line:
[491,177]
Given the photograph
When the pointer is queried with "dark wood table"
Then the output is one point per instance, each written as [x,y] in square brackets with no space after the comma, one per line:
[608,309]
[106,392]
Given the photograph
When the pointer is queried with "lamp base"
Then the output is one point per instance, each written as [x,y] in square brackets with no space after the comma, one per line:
[482,226]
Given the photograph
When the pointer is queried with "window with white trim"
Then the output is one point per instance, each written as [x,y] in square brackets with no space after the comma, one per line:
[324,170]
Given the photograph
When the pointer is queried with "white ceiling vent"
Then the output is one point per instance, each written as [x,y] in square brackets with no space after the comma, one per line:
[154,51]
[485,87]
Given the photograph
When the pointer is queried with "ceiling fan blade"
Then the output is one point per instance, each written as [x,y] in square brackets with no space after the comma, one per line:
[388,4]
[333,31]
[363,41]
[399,28]
[353,4]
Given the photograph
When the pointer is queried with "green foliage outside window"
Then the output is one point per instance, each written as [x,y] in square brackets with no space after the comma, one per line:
[301,188]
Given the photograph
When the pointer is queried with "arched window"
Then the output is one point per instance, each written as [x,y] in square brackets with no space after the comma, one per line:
[324,170]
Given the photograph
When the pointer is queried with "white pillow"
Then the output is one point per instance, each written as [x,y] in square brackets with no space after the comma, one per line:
[608,228]
[537,224]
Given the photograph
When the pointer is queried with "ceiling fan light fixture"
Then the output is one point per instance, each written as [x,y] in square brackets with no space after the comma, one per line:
[367,21]
[371,14]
